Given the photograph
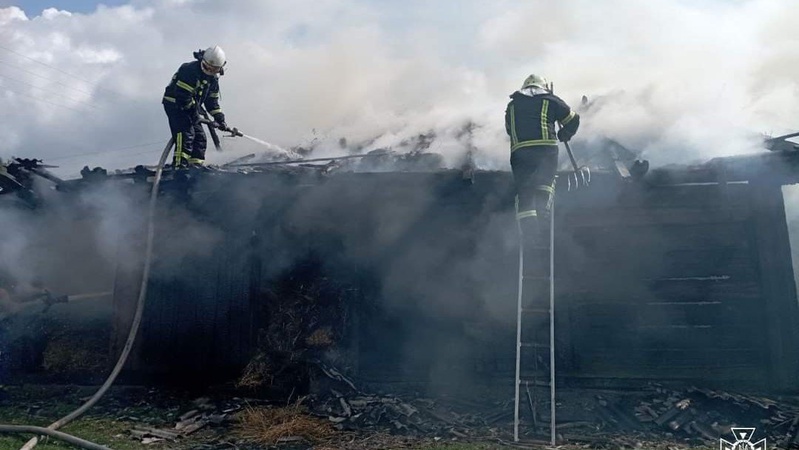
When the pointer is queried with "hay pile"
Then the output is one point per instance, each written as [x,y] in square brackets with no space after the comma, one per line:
[306,317]
[269,426]
[77,355]
[255,375]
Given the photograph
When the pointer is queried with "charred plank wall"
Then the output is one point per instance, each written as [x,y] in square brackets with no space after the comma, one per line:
[666,282]
[198,320]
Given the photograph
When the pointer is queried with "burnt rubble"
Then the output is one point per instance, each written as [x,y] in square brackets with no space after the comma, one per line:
[204,413]
[708,415]
[690,415]
[349,408]
[654,417]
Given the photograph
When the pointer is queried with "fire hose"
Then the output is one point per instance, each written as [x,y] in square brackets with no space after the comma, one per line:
[68,438]
[134,329]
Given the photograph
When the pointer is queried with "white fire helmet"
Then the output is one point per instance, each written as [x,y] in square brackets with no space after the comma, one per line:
[537,81]
[213,60]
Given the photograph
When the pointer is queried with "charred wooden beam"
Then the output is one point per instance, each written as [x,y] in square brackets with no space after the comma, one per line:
[778,168]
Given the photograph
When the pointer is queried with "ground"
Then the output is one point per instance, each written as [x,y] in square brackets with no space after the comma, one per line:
[125,408]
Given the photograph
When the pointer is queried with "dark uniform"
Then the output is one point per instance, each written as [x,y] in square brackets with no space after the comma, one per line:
[530,123]
[8,183]
[189,89]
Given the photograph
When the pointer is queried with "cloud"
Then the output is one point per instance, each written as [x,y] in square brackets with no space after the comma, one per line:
[678,80]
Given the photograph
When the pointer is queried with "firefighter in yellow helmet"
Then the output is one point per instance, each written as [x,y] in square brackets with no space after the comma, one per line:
[530,122]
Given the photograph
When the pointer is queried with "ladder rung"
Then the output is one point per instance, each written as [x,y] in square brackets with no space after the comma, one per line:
[535,311]
[539,256]
[537,247]
[534,382]
[533,345]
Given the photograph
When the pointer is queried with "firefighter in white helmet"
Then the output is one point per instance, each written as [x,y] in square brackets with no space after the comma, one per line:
[196,84]
[530,122]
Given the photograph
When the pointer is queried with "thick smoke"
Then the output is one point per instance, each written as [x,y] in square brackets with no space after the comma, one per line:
[676,80]
[76,243]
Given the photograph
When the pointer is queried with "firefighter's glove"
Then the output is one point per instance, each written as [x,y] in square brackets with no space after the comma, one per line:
[563,135]
[222,126]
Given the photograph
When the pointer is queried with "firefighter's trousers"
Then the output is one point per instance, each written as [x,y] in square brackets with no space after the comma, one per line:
[190,141]
[534,177]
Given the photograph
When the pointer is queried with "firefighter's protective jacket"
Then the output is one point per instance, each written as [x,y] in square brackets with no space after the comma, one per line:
[191,87]
[530,120]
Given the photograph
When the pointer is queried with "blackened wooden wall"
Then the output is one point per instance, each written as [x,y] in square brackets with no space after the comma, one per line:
[688,281]
[653,281]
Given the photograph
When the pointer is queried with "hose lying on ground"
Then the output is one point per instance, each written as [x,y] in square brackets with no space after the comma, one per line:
[134,327]
[52,433]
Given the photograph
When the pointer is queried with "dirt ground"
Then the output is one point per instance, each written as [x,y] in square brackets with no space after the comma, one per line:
[127,408]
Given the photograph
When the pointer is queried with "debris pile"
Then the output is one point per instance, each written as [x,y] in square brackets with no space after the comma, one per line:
[204,413]
[417,417]
[699,415]
[384,160]
[350,409]
[694,416]
[412,154]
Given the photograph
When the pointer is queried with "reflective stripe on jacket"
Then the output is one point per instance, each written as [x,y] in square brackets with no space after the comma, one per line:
[530,120]
[191,87]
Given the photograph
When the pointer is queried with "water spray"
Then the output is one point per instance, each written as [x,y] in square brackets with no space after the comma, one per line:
[234,132]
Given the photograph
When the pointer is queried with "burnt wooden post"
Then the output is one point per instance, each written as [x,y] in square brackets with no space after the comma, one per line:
[777,283]
[256,266]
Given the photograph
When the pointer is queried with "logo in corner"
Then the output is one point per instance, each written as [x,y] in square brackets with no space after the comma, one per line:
[743,441]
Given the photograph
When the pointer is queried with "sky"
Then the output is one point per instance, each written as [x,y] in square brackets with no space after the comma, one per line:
[679,81]
[35,7]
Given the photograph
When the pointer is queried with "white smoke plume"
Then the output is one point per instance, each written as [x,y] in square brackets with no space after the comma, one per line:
[675,79]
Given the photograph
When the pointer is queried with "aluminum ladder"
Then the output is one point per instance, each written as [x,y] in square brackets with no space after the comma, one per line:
[534,305]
